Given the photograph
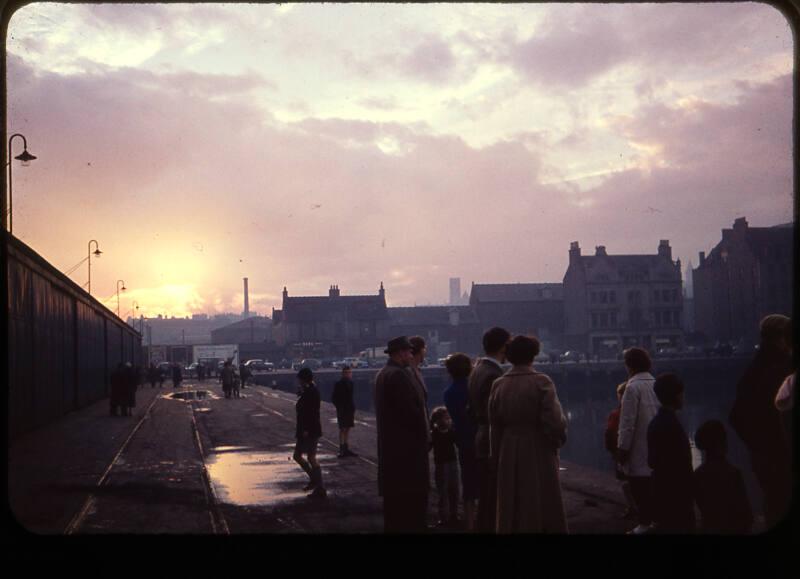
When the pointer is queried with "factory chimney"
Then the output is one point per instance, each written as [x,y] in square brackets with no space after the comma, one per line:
[246,301]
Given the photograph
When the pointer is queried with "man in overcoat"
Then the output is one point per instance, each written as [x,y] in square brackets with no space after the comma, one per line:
[401,420]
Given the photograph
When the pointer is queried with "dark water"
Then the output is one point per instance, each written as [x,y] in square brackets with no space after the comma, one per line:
[588,394]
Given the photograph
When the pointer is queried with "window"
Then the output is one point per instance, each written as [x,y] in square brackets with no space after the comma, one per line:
[594,320]
[603,297]
[656,295]
[604,320]
[593,297]
[612,297]
[613,316]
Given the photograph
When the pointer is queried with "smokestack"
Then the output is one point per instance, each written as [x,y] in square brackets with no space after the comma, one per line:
[246,301]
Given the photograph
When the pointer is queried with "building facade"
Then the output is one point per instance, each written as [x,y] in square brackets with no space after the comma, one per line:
[522,308]
[614,302]
[332,325]
[446,329]
[745,277]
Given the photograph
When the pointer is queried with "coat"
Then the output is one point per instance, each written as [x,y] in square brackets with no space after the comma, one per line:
[342,397]
[401,421]
[307,408]
[526,429]
[639,407]
[481,378]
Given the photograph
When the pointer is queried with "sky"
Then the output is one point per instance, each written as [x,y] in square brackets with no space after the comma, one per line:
[306,145]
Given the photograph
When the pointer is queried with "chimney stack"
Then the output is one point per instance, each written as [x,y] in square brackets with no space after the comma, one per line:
[246,301]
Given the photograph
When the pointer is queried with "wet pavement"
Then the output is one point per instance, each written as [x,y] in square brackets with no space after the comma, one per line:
[192,461]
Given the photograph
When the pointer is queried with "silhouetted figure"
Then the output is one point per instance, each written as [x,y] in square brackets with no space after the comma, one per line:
[201,372]
[342,399]
[117,394]
[639,407]
[418,351]
[784,402]
[227,377]
[670,456]
[162,375]
[132,378]
[177,375]
[527,427]
[308,432]
[611,437]
[152,375]
[459,366]
[719,489]
[486,371]
[244,374]
[402,424]
[443,444]
[758,423]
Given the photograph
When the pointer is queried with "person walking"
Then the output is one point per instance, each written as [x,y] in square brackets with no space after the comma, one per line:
[456,395]
[201,372]
[227,377]
[244,374]
[342,399]
[131,383]
[309,431]
[670,456]
[611,436]
[177,375]
[152,375]
[486,371]
[116,396]
[639,407]
[403,441]
[757,421]
[162,375]
[526,429]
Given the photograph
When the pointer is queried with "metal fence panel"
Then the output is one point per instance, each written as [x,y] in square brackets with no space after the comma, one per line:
[91,355]
[20,351]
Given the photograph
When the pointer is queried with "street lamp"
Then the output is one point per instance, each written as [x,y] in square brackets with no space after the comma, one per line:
[89,253]
[25,157]
[119,281]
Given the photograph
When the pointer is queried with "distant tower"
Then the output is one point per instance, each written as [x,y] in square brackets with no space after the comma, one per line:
[246,301]
[455,290]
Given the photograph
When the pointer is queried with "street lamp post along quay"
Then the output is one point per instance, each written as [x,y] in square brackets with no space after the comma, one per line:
[119,281]
[89,252]
[25,157]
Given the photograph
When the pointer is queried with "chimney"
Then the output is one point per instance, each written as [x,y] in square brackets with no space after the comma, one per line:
[702,258]
[740,225]
[334,291]
[574,252]
[600,250]
[664,250]
[246,300]
[382,292]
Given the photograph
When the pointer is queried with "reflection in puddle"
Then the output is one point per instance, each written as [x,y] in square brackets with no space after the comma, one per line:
[220,449]
[192,395]
[256,478]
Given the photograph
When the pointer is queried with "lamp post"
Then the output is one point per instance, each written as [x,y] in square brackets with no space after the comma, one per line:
[26,159]
[119,281]
[89,253]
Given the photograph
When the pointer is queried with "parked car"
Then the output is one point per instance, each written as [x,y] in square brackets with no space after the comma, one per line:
[352,362]
[311,363]
[259,366]
[667,352]
[571,356]
[190,371]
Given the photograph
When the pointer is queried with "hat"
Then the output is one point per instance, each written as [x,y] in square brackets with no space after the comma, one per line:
[774,326]
[305,374]
[400,343]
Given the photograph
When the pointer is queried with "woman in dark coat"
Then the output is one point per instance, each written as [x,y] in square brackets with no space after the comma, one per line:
[177,375]
[309,431]
[117,395]
[342,399]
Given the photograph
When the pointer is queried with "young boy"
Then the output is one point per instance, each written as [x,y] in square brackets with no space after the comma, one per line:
[670,457]
[443,442]
[342,399]
[718,485]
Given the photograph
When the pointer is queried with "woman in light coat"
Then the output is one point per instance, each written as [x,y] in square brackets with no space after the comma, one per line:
[526,429]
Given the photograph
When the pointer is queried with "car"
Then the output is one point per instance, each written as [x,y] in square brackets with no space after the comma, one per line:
[352,362]
[191,369]
[311,363]
[570,356]
[259,366]
[667,352]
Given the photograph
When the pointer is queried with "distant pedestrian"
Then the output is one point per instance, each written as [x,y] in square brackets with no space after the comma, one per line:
[177,375]
[670,456]
[342,399]
[757,421]
[486,371]
[403,439]
[227,377]
[201,372]
[611,436]
[309,431]
[162,375]
[459,367]
[244,374]
[526,429]
[719,489]
[443,444]
[152,375]
[639,407]
[129,391]
[117,391]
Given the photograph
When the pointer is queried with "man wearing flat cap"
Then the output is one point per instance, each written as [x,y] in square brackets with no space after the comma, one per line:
[758,423]
[400,416]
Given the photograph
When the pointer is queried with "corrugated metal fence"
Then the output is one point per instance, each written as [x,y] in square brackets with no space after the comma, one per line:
[62,343]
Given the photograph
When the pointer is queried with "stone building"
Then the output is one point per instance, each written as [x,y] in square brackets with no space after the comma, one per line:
[522,308]
[614,302]
[746,276]
[446,329]
[332,325]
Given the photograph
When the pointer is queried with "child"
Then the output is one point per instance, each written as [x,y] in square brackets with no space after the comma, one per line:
[443,442]
[611,436]
[719,486]
[308,432]
[670,457]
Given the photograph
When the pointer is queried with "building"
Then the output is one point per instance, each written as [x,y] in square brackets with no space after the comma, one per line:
[745,277]
[332,325]
[522,308]
[446,329]
[614,302]
[184,331]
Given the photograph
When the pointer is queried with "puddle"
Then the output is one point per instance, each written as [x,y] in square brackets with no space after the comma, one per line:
[221,449]
[192,395]
[256,478]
